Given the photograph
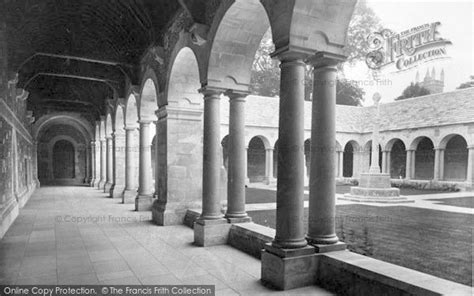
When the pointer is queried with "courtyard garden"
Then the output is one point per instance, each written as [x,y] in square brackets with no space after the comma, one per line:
[435,242]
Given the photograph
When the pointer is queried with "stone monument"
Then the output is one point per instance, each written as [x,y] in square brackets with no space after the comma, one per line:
[375,186]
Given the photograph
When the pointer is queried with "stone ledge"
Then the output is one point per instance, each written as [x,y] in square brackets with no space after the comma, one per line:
[349,273]
[250,238]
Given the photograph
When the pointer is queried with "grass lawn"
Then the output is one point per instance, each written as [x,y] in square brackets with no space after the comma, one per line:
[463,202]
[434,242]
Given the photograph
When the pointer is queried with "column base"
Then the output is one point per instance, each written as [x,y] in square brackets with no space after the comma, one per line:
[164,213]
[286,269]
[211,232]
[320,248]
[117,191]
[129,195]
[143,202]
[108,188]
[100,184]
[92,184]
[233,220]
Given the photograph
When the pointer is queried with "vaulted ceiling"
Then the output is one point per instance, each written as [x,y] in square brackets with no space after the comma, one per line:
[77,53]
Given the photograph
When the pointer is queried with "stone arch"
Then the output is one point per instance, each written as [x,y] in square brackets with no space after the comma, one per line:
[62,166]
[184,82]
[424,158]
[66,118]
[398,158]
[256,158]
[236,32]
[109,125]
[455,157]
[131,111]
[349,159]
[149,94]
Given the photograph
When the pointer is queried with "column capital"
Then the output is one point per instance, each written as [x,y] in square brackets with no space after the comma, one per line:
[438,148]
[470,147]
[269,148]
[410,150]
[92,143]
[211,92]
[145,121]
[130,127]
[286,54]
[326,60]
[236,95]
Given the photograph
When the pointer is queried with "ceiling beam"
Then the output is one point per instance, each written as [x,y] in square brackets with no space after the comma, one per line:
[109,83]
[76,58]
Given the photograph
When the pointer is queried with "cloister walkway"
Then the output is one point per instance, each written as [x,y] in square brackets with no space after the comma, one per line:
[75,235]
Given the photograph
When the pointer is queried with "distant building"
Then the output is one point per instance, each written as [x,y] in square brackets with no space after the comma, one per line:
[435,86]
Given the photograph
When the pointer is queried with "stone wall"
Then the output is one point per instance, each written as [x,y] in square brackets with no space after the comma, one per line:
[18,171]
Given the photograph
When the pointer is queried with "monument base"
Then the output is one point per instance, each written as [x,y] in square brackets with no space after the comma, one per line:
[375,188]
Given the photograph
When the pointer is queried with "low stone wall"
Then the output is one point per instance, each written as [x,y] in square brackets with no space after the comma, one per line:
[347,273]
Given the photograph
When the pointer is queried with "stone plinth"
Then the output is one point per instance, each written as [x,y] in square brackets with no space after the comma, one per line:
[211,232]
[375,188]
[286,269]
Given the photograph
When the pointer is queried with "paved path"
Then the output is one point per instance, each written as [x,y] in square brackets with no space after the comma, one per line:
[75,235]
[426,201]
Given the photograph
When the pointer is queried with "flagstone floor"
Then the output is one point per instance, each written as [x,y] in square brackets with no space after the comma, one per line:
[76,235]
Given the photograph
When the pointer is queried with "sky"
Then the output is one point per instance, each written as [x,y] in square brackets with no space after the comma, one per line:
[457,25]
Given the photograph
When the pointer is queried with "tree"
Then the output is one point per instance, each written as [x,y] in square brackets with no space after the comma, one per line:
[467,84]
[364,22]
[412,91]
[265,80]
[348,93]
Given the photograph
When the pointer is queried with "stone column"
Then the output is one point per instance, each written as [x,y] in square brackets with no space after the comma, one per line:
[109,185]
[290,187]
[103,164]
[441,164]
[88,166]
[322,190]
[98,163]
[341,164]
[93,166]
[437,163]
[131,148]
[269,166]
[144,199]
[470,166]
[236,170]
[410,167]
[119,164]
[384,161]
[211,228]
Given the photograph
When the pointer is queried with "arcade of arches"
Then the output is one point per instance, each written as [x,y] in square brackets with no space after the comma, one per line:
[142,115]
